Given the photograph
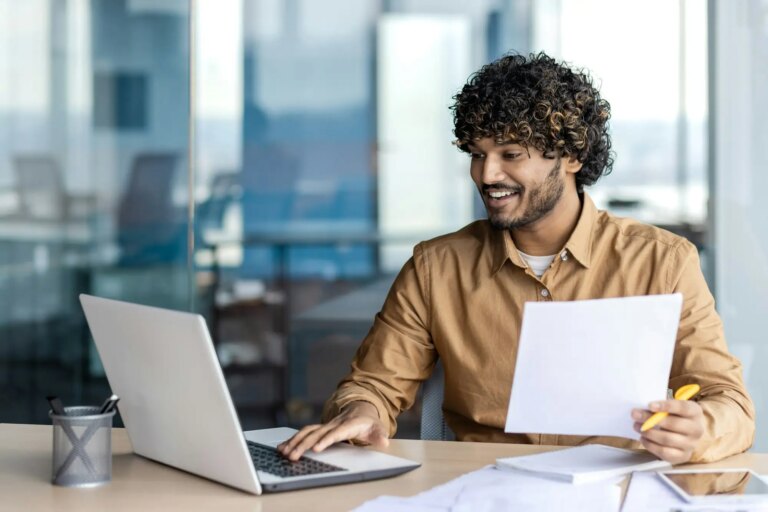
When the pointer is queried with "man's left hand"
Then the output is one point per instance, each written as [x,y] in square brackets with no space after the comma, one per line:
[676,437]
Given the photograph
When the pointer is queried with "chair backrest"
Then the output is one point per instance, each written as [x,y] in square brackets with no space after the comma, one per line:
[150,228]
[147,199]
[433,427]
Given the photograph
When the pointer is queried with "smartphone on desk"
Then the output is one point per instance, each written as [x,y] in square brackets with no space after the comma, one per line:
[717,486]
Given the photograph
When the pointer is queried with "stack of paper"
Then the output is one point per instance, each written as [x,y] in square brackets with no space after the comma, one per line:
[589,463]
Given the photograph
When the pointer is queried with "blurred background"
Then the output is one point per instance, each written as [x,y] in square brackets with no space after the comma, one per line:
[271,163]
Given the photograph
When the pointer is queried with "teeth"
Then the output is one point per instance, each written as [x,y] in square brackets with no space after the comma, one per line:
[499,194]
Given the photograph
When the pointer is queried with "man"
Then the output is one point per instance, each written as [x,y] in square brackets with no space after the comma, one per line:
[536,133]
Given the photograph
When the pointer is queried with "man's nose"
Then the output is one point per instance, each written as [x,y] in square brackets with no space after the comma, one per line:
[492,170]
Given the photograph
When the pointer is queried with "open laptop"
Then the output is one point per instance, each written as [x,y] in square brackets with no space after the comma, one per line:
[177,409]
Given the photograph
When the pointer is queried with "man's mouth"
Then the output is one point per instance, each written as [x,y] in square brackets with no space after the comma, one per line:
[497,198]
[498,194]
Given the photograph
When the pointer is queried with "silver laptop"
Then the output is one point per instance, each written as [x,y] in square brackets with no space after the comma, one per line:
[177,409]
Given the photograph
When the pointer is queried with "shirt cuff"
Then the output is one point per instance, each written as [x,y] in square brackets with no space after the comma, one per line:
[728,431]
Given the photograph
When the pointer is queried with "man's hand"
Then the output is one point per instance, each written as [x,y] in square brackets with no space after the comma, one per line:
[675,438]
[359,422]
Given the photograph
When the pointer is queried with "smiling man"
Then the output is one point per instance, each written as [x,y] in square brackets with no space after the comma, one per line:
[536,132]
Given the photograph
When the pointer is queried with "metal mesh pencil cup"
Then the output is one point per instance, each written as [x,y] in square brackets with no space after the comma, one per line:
[82,447]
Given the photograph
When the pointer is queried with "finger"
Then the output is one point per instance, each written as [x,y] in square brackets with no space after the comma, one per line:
[668,439]
[311,440]
[667,453]
[677,407]
[380,438]
[289,445]
[688,427]
[641,415]
[293,439]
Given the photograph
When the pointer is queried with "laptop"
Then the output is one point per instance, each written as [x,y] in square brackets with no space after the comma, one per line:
[177,410]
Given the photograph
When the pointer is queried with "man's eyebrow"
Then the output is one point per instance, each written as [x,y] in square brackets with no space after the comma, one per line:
[508,143]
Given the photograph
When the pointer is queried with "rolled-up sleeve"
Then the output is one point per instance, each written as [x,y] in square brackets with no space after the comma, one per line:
[702,357]
[398,352]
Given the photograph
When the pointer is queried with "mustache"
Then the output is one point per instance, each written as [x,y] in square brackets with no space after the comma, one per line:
[500,187]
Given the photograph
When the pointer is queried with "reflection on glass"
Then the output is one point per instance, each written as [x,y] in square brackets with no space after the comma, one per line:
[725,482]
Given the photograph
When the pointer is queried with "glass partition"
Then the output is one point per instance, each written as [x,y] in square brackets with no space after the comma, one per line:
[93,143]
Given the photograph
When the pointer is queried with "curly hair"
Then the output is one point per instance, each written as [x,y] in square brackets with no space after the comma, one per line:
[540,103]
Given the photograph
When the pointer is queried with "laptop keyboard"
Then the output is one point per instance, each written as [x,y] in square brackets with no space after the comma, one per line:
[269,460]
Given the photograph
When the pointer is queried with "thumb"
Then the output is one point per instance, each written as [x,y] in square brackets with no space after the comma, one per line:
[378,437]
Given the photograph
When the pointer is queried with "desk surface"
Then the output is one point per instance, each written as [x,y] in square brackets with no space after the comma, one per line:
[139,484]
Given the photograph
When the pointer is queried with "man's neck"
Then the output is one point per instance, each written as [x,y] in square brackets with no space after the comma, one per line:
[550,233]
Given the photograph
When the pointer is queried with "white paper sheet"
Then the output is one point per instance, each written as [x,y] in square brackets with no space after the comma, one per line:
[582,366]
[492,490]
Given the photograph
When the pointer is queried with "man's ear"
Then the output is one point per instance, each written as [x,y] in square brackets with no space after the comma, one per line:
[572,165]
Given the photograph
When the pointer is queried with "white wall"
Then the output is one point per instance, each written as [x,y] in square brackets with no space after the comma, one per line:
[739,186]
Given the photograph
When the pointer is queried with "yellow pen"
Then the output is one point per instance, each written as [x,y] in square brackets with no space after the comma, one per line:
[683,393]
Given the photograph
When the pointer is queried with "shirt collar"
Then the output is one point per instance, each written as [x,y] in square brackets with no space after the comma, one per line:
[579,245]
[580,242]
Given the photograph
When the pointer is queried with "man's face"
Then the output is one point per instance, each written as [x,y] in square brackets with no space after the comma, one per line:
[519,186]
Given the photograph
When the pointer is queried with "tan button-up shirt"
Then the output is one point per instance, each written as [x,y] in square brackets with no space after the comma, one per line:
[461,297]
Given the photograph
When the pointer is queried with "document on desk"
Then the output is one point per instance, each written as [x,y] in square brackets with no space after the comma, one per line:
[491,490]
[582,366]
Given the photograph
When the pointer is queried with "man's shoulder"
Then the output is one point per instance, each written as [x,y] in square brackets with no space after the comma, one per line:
[474,243]
[476,234]
[624,228]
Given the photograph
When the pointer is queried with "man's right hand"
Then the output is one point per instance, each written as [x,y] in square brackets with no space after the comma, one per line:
[358,422]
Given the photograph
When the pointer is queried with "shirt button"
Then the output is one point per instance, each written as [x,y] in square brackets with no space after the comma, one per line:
[545,292]
[564,255]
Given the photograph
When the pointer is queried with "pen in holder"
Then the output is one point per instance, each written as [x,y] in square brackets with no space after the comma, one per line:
[82,446]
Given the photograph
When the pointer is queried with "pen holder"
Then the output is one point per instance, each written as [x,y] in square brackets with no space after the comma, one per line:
[82,447]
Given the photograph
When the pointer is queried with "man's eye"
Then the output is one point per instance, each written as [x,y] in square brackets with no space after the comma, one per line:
[475,156]
[511,156]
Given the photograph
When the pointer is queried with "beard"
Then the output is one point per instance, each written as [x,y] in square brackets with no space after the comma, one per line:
[541,201]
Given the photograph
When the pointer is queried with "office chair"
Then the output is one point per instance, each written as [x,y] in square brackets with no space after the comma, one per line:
[433,427]
[150,229]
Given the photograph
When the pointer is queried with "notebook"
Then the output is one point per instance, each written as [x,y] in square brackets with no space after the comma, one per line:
[583,464]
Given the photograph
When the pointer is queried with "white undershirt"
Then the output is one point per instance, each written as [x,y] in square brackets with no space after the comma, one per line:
[539,264]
